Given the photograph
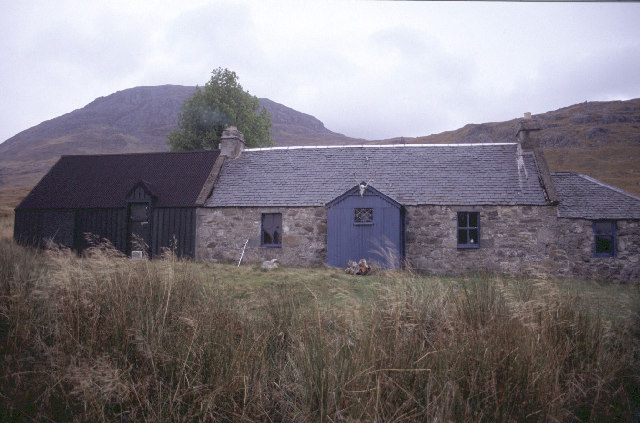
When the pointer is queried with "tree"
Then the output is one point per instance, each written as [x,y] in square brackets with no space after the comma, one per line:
[220,104]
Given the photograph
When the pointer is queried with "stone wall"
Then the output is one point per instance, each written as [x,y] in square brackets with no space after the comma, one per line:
[513,240]
[221,233]
[517,240]
[575,236]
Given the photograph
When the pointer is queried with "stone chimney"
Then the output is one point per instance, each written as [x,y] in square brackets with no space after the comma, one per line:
[526,139]
[529,143]
[231,143]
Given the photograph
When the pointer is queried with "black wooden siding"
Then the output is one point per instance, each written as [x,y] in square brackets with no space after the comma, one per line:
[38,227]
[109,224]
[175,229]
[70,228]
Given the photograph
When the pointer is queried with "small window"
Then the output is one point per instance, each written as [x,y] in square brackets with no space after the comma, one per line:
[272,229]
[604,233]
[362,216]
[468,229]
[138,212]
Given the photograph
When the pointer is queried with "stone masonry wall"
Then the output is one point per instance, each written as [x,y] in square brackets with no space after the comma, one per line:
[575,236]
[221,233]
[513,240]
[516,240]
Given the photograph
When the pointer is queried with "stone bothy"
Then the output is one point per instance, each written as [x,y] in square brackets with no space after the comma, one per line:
[438,208]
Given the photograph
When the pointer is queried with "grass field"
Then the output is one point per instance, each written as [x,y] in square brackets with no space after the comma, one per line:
[103,338]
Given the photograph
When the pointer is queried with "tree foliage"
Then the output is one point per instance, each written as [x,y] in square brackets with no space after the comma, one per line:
[221,103]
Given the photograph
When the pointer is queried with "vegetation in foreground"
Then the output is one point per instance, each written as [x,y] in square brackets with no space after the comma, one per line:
[103,338]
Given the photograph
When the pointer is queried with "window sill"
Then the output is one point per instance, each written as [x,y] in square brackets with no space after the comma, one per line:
[604,256]
[271,245]
[468,246]
[363,224]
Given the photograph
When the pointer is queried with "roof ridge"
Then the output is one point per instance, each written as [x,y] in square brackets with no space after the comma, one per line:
[565,172]
[309,147]
[611,187]
[137,153]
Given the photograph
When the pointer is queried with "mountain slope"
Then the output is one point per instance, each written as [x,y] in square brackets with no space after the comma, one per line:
[290,127]
[133,120]
[601,139]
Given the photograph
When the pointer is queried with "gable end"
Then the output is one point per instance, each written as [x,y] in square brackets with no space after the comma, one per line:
[369,191]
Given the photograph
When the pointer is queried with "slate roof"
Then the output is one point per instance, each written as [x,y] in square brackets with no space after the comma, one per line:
[453,174]
[584,197]
[102,181]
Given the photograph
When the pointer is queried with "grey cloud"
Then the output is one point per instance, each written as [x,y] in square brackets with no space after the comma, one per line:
[219,34]
[111,48]
[371,70]
[426,90]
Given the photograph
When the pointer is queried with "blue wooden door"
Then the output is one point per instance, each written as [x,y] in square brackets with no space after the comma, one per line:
[368,226]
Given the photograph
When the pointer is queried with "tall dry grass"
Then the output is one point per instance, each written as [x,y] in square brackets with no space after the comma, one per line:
[103,338]
[6,222]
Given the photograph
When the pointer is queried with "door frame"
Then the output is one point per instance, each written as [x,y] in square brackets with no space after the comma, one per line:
[147,222]
[336,219]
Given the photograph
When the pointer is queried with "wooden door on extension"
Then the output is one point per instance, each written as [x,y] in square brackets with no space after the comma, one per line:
[139,228]
[368,226]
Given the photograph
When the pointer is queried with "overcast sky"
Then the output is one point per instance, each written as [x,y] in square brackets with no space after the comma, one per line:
[366,69]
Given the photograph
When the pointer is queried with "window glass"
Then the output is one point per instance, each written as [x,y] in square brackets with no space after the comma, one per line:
[603,227]
[138,212]
[473,220]
[473,236]
[468,229]
[362,215]
[462,236]
[604,245]
[462,220]
[271,229]
[266,237]
[605,238]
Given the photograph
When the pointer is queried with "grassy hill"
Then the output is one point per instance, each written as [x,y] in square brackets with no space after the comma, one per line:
[601,139]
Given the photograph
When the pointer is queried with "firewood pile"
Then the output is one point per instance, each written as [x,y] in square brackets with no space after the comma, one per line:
[359,268]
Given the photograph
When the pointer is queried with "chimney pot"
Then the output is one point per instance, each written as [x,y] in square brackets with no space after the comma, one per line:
[527,115]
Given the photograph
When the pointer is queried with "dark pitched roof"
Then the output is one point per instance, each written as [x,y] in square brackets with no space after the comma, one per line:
[584,197]
[96,181]
[464,174]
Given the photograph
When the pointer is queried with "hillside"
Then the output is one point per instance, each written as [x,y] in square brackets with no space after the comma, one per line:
[133,120]
[601,139]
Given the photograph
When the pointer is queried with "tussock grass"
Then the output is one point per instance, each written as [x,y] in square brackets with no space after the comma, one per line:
[6,222]
[103,338]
